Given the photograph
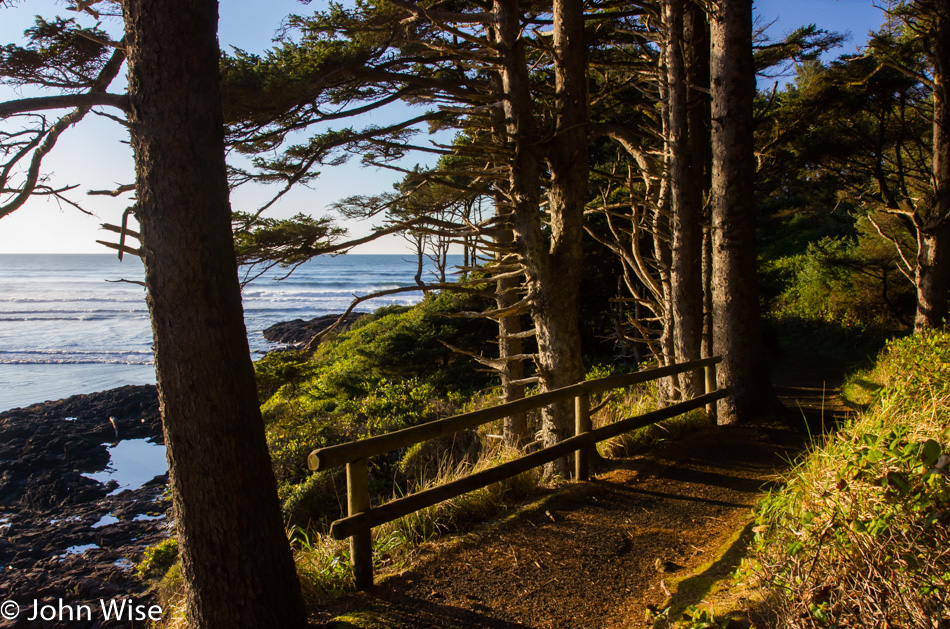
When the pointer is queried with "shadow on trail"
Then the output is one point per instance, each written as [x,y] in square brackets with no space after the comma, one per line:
[669,496]
[385,609]
[692,590]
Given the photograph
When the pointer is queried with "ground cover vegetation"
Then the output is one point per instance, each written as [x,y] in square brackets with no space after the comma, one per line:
[859,532]
[596,164]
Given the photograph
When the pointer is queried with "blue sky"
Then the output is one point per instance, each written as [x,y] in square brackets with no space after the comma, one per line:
[94,156]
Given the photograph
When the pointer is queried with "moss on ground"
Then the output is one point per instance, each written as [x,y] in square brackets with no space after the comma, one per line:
[714,586]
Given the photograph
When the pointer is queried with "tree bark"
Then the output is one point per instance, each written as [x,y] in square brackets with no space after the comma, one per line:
[686,202]
[696,39]
[735,298]
[510,344]
[557,300]
[235,557]
[515,430]
[933,260]
[552,264]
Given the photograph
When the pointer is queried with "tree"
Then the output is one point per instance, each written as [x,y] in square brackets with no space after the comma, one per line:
[875,125]
[235,557]
[472,60]
[686,71]
[930,20]
[735,297]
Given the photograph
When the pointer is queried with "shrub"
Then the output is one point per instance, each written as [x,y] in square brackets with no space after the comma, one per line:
[852,282]
[317,501]
[158,560]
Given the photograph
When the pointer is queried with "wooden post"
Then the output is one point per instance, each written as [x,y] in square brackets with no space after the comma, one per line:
[710,387]
[581,425]
[361,543]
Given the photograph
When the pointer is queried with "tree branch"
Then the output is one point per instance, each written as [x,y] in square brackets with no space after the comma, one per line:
[65,101]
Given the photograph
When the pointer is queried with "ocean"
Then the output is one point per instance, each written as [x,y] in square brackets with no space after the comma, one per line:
[69,324]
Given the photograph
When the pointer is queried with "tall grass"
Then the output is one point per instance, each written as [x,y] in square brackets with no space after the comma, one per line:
[323,563]
[638,400]
[859,536]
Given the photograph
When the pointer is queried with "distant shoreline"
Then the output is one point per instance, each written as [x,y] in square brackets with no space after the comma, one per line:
[286,334]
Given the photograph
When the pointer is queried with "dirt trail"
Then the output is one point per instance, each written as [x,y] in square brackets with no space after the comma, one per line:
[810,385]
[595,554]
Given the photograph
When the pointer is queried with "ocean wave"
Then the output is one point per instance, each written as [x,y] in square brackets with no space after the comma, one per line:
[75,311]
[75,360]
[55,299]
[42,316]
[81,352]
[75,357]
[311,293]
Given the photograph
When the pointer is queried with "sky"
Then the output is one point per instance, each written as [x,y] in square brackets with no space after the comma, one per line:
[95,154]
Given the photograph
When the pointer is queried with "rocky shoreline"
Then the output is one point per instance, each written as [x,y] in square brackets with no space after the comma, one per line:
[297,333]
[69,535]
[65,535]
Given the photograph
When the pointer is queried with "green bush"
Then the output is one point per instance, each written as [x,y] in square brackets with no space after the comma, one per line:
[851,282]
[157,560]
[281,369]
[389,371]
[314,503]
[394,344]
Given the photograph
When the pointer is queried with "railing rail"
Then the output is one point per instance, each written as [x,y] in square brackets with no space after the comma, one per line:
[361,518]
[343,453]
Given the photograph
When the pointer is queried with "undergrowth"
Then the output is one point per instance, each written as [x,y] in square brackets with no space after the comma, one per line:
[355,387]
[859,536]
[324,563]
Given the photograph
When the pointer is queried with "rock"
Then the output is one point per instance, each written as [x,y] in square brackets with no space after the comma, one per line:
[299,332]
[48,505]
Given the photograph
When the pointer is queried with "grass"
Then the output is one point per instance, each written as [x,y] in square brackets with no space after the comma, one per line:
[859,533]
[324,565]
[634,401]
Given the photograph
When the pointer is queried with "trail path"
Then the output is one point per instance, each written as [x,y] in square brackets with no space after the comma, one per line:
[592,554]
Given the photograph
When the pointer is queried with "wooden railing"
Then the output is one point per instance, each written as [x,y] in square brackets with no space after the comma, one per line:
[362,518]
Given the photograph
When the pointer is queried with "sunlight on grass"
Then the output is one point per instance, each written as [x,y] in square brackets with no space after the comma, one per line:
[860,531]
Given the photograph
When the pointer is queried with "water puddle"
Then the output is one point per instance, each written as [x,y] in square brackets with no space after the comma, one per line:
[145,516]
[105,520]
[80,549]
[123,564]
[133,463]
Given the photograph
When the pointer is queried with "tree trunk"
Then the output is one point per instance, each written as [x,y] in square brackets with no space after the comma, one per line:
[524,171]
[933,260]
[696,40]
[686,204]
[510,344]
[662,233]
[552,266]
[235,557]
[735,298]
[419,242]
[557,302]
[515,431]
